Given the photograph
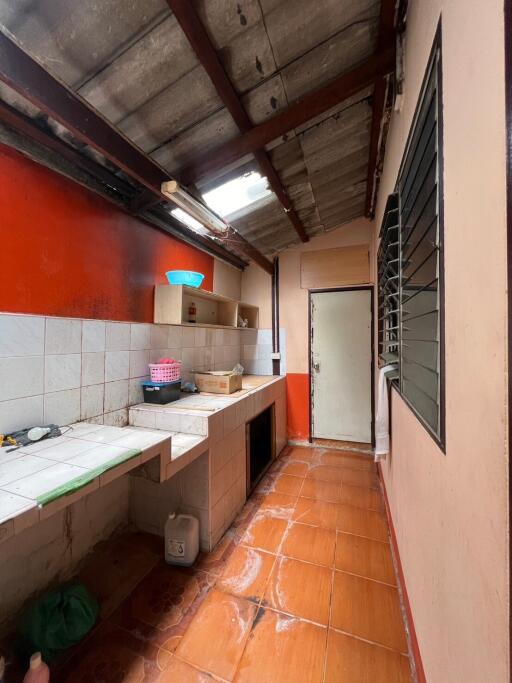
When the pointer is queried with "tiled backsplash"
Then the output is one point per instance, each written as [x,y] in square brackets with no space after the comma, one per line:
[63,369]
[257,351]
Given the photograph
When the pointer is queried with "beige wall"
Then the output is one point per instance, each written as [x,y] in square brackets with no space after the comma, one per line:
[450,511]
[293,301]
[227,280]
[257,290]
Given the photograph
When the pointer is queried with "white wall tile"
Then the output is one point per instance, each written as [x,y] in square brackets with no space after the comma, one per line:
[218,337]
[208,357]
[264,336]
[63,335]
[116,395]
[209,336]
[187,357]
[21,376]
[218,354]
[117,365]
[198,358]
[93,335]
[250,352]
[140,336]
[174,353]
[21,413]
[62,407]
[117,337]
[91,403]
[188,336]
[264,351]
[117,418]
[156,354]
[62,371]
[21,335]
[139,363]
[175,339]
[158,337]
[93,368]
[135,394]
[200,336]
[248,337]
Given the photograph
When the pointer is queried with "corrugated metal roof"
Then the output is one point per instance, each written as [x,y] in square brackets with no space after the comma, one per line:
[132,62]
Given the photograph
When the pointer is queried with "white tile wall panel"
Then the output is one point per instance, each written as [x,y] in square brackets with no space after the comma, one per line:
[21,335]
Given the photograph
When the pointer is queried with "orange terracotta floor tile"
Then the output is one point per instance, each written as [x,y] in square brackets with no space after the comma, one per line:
[280,483]
[365,557]
[321,490]
[265,532]
[362,522]
[278,504]
[302,454]
[354,661]
[362,497]
[215,640]
[290,590]
[310,543]
[356,461]
[367,609]
[162,606]
[359,477]
[283,649]
[326,473]
[316,513]
[179,671]
[287,483]
[246,573]
[112,654]
[300,588]
[294,467]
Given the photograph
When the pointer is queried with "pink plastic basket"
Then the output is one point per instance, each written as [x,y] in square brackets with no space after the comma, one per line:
[165,372]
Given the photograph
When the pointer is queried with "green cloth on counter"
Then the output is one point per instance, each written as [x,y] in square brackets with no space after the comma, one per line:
[86,478]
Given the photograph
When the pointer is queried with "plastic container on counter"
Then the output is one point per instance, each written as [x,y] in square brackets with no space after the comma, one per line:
[161,392]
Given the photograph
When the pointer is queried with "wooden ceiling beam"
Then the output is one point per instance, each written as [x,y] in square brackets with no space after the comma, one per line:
[201,44]
[300,112]
[30,79]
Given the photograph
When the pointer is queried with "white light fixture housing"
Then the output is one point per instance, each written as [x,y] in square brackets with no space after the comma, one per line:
[173,190]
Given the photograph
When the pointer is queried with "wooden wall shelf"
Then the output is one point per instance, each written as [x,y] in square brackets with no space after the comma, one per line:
[213,310]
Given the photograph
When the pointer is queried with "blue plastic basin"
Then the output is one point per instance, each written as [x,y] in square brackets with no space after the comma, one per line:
[184,277]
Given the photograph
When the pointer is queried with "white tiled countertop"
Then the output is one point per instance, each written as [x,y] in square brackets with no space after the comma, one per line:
[32,471]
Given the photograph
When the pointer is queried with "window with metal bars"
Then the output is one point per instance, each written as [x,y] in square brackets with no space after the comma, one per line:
[410,261]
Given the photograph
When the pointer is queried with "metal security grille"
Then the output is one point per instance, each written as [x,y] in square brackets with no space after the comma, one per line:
[410,261]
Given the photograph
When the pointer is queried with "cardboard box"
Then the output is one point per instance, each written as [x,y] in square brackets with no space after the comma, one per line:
[218,382]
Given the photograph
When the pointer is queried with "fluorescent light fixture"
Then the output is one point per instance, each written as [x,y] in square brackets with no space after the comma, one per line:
[193,207]
[238,193]
[190,222]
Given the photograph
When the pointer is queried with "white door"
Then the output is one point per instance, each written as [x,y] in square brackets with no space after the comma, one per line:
[341,365]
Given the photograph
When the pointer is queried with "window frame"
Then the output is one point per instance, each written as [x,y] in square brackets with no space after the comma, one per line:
[434,62]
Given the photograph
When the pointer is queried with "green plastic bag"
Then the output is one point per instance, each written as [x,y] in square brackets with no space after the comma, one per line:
[57,621]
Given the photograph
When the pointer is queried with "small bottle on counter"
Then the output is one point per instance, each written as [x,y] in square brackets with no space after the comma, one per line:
[192,313]
[38,671]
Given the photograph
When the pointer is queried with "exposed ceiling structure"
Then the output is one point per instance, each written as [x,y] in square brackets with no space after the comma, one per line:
[203,90]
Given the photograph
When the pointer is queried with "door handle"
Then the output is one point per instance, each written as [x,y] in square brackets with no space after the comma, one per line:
[316,367]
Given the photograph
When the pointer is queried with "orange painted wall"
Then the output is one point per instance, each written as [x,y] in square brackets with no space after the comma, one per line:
[66,251]
[297,398]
